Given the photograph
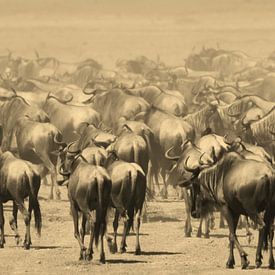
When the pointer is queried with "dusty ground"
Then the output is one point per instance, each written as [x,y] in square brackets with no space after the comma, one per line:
[165,249]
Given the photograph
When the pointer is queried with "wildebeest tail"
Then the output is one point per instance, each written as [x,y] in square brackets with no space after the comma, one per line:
[269,212]
[99,210]
[34,182]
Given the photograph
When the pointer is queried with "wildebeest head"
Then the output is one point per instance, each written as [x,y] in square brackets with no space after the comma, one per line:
[66,159]
[90,134]
[188,164]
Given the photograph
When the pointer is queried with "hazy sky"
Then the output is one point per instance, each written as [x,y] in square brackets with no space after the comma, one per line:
[112,29]
[260,10]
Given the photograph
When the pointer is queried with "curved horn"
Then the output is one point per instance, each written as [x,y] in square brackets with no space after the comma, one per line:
[175,158]
[187,168]
[72,152]
[93,90]
[127,127]
[200,160]
[61,172]
[184,143]
[194,100]
[63,144]
[89,100]
[13,90]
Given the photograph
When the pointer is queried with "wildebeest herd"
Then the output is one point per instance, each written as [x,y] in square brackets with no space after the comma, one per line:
[119,137]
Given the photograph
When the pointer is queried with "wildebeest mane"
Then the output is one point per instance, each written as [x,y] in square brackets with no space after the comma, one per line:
[198,119]
[211,178]
[260,128]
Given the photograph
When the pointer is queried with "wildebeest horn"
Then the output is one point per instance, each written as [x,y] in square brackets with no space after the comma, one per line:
[175,158]
[200,160]
[13,90]
[63,144]
[93,90]
[61,172]
[127,127]
[187,168]
[89,100]
[213,153]
[194,100]
[72,152]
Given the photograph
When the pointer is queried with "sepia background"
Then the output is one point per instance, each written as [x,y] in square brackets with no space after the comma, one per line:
[106,30]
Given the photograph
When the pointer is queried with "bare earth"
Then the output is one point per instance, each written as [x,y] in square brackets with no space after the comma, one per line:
[165,249]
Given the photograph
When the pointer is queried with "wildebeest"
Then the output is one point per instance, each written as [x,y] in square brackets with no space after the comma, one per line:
[39,143]
[89,189]
[237,186]
[68,118]
[11,110]
[89,134]
[19,180]
[115,104]
[128,195]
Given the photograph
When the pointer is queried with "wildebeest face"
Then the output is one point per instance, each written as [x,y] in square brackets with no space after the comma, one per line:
[196,200]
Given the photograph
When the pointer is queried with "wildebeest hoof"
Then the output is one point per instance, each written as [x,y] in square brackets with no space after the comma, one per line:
[89,257]
[187,234]
[230,263]
[258,263]
[18,240]
[122,250]
[102,259]
[199,234]
[82,254]
[244,263]
[1,245]
[51,197]
[138,251]
[58,195]
[113,248]
[27,246]
[271,264]
[207,236]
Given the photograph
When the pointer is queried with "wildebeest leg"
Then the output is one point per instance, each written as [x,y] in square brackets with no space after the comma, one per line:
[271,235]
[13,223]
[212,220]
[123,241]
[74,212]
[241,223]
[232,221]
[2,223]
[200,228]
[115,226]
[101,248]
[259,256]
[207,226]
[151,188]
[126,229]
[187,227]
[83,228]
[27,218]
[137,226]
[222,225]
[90,252]
[52,170]
[164,192]
[248,232]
